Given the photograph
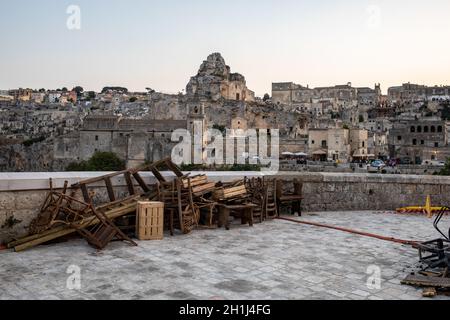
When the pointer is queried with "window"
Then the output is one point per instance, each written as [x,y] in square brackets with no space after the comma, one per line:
[413,129]
[399,138]
[324,143]
[415,142]
[313,142]
[433,129]
[96,138]
[419,129]
[422,142]
[363,144]
[238,97]
[440,129]
[436,144]
[425,129]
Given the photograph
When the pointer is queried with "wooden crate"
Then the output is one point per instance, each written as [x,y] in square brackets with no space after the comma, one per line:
[150,221]
[229,193]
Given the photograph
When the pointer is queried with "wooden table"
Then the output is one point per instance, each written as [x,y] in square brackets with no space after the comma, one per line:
[246,214]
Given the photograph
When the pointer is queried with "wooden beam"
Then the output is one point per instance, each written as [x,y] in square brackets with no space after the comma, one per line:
[110,189]
[130,184]
[141,182]
[157,174]
[172,166]
[85,192]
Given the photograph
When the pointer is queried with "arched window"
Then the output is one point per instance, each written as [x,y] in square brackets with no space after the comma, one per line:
[433,129]
[413,129]
[419,129]
[425,129]
[440,129]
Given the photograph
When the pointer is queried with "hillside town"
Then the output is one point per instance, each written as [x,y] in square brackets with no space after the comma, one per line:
[335,128]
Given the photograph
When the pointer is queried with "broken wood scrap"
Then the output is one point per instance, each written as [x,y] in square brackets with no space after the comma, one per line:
[111,213]
[428,282]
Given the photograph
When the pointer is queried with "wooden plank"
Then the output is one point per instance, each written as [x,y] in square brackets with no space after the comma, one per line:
[204,187]
[235,189]
[66,230]
[85,192]
[110,189]
[110,212]
[130,184]
[428,282]
[99,179]
[172,166]
[157,174]
[195,181]
[141,182]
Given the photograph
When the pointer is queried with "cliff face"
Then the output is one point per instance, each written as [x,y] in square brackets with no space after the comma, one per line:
[35,158]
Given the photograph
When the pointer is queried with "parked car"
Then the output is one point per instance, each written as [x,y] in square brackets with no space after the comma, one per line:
[433,163]
[405,161]
[378,164]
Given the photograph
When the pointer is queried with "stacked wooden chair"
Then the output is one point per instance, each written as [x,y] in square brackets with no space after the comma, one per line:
[271,209]
[289,192]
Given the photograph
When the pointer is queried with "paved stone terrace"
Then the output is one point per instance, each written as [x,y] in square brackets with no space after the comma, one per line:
[274,260]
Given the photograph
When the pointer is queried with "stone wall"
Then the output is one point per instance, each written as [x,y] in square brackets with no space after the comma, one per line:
[21,194]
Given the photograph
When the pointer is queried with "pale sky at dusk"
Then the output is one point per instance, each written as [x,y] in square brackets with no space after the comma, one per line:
[161,44]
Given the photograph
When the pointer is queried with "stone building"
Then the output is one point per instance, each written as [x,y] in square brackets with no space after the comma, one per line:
[419,140]
[338,144]
[136,140]
[359,144]
[368,96]
[291,93]
[215,81]
[22,95]
[409,92]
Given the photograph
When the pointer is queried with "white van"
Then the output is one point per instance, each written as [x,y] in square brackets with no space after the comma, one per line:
[433,163]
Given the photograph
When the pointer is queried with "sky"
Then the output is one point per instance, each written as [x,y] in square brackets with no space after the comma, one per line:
[161,44]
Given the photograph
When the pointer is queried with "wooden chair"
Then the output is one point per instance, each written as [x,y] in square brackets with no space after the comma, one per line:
[289,193]
[179,205]
[271,210]
[258,191]
[103,233]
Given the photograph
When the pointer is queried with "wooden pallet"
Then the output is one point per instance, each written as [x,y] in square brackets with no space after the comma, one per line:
[427,282]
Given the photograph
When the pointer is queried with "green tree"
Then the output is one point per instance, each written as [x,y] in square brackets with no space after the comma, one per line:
[446,170]
[79,90]
[100,161]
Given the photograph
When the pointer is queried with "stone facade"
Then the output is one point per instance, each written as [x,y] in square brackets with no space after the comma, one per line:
[419,140]
[409,92]
[338,144]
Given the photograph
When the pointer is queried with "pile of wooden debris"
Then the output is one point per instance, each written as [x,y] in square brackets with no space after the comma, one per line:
[189,202]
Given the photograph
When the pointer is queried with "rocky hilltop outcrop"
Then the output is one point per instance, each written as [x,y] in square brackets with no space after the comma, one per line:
[213,78]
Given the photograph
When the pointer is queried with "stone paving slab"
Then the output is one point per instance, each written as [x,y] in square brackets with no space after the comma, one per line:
[273,260]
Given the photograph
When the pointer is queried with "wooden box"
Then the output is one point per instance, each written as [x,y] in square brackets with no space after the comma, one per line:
[150,221]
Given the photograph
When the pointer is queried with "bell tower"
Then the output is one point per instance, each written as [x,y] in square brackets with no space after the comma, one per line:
[196,126]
